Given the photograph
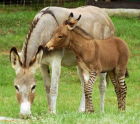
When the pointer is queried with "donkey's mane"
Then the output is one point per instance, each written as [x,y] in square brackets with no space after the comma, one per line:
[32,27]
[47,11]
[82,33]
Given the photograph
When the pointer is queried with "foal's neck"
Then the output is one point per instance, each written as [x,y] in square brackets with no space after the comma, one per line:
[81,42]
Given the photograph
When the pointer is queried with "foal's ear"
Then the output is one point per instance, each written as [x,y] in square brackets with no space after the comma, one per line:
[71,15]
[79,18]
[71,24]
[35,62]
[15,58]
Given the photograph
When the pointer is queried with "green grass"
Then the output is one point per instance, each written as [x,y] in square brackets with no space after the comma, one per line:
[13,29]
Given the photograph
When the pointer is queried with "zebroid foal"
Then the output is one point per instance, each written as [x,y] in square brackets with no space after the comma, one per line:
[93,57]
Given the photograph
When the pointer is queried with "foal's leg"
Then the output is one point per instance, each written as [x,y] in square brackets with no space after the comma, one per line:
[120,88]
[82,104]
[102,88]
[122,91]
[47,81]
[88,86]
[114,82]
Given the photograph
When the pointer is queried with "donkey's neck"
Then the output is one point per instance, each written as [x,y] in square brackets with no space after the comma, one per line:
[40,28]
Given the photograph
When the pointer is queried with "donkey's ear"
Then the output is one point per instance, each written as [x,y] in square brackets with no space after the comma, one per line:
[35,62]
[15,58]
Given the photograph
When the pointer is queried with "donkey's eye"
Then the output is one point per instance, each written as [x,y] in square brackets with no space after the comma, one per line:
[60,36]
[16,87]
[33,87]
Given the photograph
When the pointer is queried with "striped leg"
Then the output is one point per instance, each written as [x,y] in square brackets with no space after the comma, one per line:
[120,89]
[88,86]
[123,91]
[114,82]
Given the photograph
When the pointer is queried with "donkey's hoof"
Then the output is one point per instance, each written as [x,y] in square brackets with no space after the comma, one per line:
[81,110]
[52,112]
[22,116]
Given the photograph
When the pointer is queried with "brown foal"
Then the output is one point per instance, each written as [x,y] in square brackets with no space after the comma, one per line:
[93,57]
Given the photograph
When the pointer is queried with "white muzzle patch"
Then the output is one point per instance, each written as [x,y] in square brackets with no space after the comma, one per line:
[25,108]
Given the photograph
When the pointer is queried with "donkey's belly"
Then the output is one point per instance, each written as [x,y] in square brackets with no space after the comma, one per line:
[69,58]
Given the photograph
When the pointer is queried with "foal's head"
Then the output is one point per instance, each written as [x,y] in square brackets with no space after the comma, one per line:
[61,36]
[25,82]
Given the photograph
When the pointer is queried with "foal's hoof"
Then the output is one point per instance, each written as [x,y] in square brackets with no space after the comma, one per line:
[90,111]
[122,109]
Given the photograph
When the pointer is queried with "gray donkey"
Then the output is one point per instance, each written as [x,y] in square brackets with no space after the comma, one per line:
[94,21]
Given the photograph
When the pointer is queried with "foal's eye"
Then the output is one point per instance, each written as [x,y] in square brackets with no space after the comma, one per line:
[60,36]
[16,87]
[33,87]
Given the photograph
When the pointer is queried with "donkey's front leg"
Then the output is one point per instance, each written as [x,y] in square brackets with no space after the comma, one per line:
[102,88]
[88,86]
[56,70]
[47,81]
[82,104]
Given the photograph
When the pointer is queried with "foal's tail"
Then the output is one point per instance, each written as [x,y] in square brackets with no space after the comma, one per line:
[127,73]
[108,77]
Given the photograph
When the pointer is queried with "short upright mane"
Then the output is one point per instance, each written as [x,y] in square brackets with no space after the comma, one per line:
[82,32]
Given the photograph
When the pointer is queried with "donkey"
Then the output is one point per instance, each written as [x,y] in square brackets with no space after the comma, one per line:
[93,57]
[25,63]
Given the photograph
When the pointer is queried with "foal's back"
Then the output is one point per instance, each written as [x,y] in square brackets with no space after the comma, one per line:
[113,52]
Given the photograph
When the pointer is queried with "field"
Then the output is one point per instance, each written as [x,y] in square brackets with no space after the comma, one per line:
[14,26]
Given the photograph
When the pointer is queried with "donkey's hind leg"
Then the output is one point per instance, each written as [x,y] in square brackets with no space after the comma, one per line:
[102,88]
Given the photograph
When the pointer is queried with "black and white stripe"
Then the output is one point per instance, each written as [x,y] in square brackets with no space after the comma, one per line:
[88,86]
[120,89]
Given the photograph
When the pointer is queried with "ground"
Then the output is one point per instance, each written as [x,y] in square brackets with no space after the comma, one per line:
[14,26]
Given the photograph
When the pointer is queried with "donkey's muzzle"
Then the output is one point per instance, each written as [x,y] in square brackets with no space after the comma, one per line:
[25,110]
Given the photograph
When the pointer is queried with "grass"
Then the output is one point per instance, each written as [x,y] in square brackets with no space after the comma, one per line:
[13,29]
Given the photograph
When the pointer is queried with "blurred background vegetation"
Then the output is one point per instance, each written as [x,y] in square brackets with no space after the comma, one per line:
[37,4]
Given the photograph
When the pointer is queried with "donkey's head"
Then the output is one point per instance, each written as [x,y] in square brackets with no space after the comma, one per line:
[25,82]
[61,36]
